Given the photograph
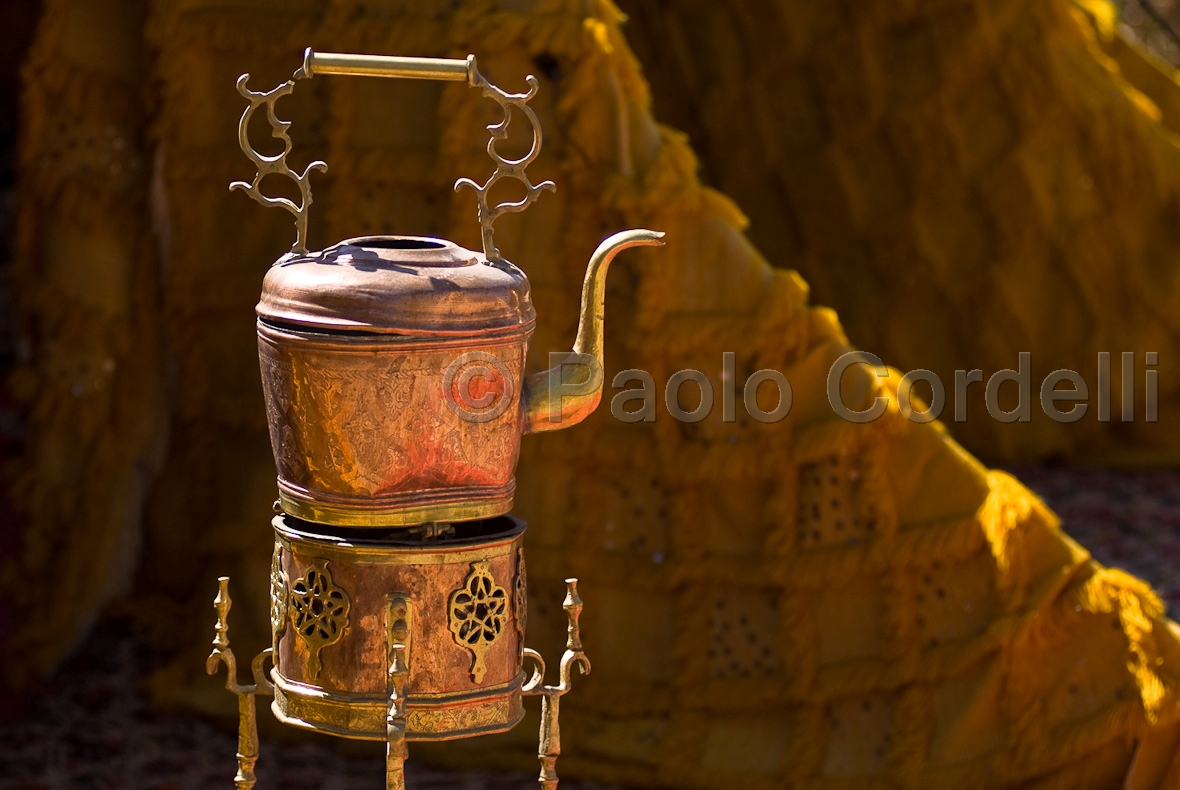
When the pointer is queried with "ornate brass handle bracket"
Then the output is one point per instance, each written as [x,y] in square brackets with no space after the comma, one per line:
[447,69]
[275,164]
[247,716]
[506,168]
[549,742]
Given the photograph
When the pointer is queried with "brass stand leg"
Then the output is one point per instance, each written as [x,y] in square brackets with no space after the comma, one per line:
[549,743]
[247,742]
[247,717]
[549,740]
[396,751]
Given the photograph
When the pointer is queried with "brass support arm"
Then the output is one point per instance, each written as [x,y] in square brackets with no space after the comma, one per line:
[398,627]
[247,715]
[549,741]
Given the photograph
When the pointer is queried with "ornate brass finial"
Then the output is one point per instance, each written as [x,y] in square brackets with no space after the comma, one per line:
[573,610]
[221,604]
[477,612]
[275,164]
[506,168]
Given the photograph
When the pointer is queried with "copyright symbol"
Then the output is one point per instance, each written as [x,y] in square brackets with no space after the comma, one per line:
[477,386]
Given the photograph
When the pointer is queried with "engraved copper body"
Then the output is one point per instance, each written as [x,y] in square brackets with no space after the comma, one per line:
[393,367]
[393,372]
[356,345]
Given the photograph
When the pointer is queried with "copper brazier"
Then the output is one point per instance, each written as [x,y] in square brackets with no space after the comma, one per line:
[395,391]
[464,678]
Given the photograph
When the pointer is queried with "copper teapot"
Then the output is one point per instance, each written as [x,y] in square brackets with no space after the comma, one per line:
[393,366]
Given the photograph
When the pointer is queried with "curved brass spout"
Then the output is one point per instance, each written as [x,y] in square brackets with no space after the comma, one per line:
[568,392]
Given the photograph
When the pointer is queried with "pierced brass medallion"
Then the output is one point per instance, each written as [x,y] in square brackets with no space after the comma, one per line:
[279,597]
[477,612]
[319,611]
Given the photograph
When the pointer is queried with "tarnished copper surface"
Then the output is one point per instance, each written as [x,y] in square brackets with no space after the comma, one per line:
[348,693]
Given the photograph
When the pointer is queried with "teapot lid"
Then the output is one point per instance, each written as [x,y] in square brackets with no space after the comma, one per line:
[412,285]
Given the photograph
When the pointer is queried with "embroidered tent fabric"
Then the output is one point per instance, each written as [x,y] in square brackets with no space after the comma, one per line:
[812,602]
[938,170]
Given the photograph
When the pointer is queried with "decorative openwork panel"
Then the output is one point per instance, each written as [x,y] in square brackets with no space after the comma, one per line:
[319,611]
[478,612]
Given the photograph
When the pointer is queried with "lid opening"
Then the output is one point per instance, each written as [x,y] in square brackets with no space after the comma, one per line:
[486,530]
[397,243]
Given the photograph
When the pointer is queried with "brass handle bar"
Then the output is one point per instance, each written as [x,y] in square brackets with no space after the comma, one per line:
[448,69]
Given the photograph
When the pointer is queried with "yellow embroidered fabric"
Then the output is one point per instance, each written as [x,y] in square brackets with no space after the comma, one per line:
[962,181]
[809,603]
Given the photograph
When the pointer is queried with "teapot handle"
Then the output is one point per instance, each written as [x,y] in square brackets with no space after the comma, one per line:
[448,69]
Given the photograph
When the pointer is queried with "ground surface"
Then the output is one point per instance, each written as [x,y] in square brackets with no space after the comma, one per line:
[92,730]
[1128,520]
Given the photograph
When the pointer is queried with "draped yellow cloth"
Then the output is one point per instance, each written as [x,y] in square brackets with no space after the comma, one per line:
[806,603]
[962,181]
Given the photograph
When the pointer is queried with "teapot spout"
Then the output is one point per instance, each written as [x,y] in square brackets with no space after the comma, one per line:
[570,391]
